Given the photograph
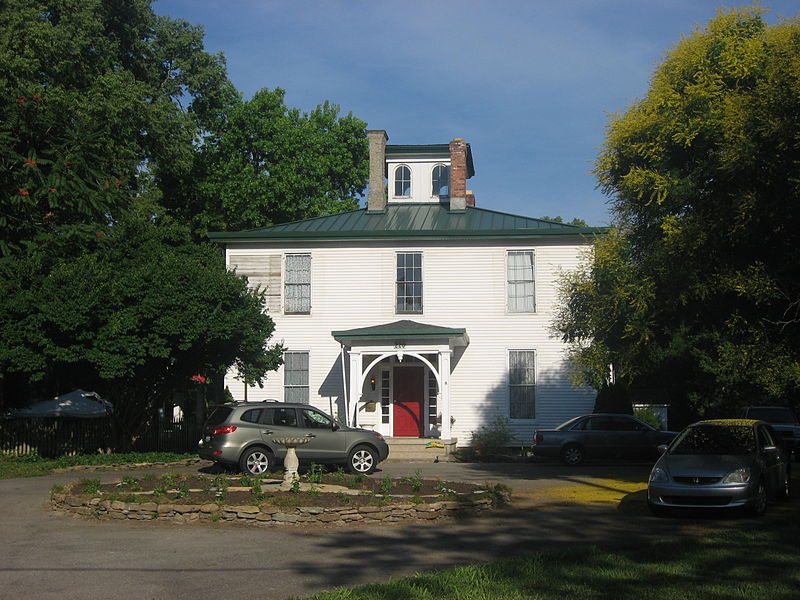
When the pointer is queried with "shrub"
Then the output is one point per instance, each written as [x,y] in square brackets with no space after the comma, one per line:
[493,438]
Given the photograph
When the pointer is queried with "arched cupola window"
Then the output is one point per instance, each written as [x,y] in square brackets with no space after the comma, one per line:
[440,180]
[402,181]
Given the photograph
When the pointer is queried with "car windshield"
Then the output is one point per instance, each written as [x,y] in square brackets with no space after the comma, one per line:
[714,439]
[771,415]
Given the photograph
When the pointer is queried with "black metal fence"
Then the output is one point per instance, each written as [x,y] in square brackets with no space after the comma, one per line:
[59,436]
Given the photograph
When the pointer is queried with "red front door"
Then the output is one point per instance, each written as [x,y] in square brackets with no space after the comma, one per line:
[409,391]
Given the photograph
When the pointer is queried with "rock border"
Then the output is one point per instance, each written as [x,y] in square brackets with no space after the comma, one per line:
[266,514]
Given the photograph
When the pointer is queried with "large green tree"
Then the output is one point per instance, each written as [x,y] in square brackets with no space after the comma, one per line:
[698,289]
[133,310]
[98,98]
[267,164]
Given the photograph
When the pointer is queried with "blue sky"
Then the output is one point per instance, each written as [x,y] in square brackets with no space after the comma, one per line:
[529,84]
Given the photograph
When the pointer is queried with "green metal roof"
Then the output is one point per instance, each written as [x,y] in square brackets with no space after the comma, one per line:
[404,330]
[411,222]
[427,150]
[417,149]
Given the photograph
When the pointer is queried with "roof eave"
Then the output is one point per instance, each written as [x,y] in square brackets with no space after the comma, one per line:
[255,236]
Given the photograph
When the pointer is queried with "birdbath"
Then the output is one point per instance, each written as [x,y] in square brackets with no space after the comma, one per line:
[290,462]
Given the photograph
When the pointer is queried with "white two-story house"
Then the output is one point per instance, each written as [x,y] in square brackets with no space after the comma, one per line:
[420,315]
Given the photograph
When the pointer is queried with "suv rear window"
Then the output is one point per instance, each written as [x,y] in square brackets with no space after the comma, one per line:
[251,416]
[219,415]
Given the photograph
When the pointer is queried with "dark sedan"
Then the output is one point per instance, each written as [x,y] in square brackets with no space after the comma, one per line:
[600,436]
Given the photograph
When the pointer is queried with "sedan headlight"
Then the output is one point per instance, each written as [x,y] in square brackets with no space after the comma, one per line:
[658,475]
[737,476]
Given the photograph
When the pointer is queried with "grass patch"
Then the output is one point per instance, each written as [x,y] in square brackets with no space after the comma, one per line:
[34,465]
[760,564]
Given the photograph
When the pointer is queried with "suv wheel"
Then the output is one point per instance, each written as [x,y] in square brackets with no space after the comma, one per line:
[256,461]
[363,460]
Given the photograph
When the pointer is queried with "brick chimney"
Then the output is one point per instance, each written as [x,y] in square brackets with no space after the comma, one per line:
[458,175]
[376,196]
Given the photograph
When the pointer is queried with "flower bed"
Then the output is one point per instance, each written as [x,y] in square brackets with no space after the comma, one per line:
[332,498]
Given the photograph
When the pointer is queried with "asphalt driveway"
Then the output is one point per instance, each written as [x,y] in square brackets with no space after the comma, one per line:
[47,555]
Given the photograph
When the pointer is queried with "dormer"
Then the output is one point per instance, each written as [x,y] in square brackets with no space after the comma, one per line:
[415,174]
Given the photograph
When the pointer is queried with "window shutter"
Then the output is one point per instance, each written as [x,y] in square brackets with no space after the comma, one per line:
[261,271]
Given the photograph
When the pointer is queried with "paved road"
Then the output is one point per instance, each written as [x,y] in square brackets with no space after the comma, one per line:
[46,555]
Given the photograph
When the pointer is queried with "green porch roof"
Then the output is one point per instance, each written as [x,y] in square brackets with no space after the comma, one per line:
[411,221]
[402,329]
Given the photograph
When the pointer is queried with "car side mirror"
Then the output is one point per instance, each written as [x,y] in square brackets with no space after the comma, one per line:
[334,426]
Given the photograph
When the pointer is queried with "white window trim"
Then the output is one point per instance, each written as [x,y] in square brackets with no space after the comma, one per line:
[422,282]
[535,383]
[507,282]
[286,284]
[410,181]
[284,386]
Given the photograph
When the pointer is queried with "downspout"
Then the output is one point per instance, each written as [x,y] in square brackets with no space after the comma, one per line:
[344,388]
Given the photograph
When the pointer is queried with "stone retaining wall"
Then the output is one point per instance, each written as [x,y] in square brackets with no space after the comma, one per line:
[265,514]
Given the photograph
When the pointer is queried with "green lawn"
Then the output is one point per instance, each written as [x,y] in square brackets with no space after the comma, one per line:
[759,564]
[33,466]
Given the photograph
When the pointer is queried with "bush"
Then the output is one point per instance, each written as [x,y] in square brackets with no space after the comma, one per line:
[492,438]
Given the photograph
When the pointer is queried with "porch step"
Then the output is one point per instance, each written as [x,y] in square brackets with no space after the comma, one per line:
[405,449]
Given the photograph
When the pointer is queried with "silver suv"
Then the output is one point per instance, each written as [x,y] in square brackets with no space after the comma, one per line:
[242,433]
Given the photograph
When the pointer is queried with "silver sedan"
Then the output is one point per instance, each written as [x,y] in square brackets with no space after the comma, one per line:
[726,463]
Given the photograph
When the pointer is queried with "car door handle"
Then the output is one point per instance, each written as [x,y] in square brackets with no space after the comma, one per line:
[266,431]
[310,435]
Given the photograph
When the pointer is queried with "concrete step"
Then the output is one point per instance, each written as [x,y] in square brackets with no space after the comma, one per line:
[417,450]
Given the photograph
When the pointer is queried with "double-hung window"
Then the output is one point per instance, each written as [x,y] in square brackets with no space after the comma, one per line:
[409,282]
[521,285]
[297,286]
[295,377]
[522,384]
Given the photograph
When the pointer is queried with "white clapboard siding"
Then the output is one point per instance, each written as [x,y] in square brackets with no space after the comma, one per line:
[262,271]
[353,285]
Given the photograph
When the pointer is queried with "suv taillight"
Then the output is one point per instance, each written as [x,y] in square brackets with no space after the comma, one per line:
[537,438]
[226,429]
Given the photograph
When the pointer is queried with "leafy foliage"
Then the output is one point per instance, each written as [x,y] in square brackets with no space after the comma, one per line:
[133,310]
[91,108]
[268,164]
[492,438]
[121,140]
[697,289]
[576,221]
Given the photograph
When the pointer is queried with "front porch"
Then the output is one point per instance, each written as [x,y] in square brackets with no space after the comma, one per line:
[399,378]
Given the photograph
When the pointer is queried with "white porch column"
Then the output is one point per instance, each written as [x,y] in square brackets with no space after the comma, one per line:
[356,383]
[444,392]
